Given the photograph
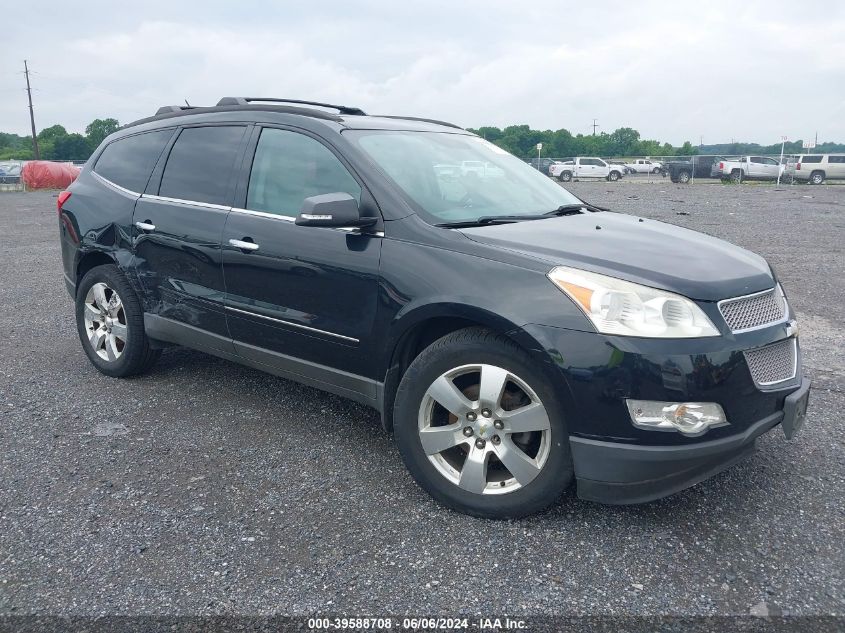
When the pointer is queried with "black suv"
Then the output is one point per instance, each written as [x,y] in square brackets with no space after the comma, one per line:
[515,338]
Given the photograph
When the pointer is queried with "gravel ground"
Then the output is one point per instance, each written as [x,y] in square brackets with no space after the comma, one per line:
[208,488]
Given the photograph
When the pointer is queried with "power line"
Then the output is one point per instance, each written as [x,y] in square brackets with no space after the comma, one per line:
[31,112]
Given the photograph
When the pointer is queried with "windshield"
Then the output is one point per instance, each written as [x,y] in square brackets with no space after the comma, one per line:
[458,177]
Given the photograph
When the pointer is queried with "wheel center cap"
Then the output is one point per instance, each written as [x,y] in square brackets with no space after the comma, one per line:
[485,429]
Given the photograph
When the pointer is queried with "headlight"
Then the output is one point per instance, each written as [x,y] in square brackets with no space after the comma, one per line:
[628,309]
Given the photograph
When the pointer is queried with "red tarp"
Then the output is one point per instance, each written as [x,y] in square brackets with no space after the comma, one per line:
[42,174]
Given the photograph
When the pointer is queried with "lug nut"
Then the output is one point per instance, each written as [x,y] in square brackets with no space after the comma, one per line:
[479,443]
[496,440]
[499,424]
[471,416]
[468,431]
[485,413]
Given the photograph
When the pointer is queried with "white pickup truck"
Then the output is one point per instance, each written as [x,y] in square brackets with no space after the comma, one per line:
[747,168]
[644,166]
[585,167]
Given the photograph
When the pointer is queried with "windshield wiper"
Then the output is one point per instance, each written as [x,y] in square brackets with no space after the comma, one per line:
[566,209]
[574,209]
[489,219]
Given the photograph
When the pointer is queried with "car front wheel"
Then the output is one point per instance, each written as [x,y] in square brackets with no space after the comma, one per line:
[613,176]
[480,429]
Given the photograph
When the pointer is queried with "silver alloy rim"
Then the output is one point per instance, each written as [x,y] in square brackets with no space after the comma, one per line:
[105,322]
[475,435]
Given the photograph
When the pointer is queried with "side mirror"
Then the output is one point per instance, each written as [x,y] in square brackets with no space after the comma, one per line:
[336,210]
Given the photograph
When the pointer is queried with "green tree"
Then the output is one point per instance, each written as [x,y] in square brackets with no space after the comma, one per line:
[51,133]
[99,129]
[71,147]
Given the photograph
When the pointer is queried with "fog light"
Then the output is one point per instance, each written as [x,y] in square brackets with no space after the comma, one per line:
[690,418]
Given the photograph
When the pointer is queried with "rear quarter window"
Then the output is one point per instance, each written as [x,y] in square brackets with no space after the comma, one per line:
[129,161]
[811,159]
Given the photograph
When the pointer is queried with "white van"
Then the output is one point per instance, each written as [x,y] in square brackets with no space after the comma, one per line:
[815,168]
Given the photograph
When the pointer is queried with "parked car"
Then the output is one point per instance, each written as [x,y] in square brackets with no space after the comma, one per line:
[748,168]
[542,164]
[683,171]
[625,169]
[10,173]
[515,338]
[585,167]
[815,168]
[645,166]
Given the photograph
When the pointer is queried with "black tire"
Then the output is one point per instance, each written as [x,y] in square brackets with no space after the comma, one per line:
[816,178]
[565,176]
[480,346]
[136,356]
[736,176]
[613,176]
[656,170]
[684,177]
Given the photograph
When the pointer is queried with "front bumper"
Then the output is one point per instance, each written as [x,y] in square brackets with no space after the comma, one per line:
[609,472]
[616,462]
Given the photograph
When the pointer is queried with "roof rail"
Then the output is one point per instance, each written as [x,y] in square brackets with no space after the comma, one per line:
[230,101]
[416,118]
[173,108]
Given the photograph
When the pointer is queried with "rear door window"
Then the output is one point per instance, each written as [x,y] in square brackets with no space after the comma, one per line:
[836,159]
[201,164]
[129,161]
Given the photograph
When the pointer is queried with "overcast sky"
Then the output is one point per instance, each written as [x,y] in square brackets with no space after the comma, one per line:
[675,71]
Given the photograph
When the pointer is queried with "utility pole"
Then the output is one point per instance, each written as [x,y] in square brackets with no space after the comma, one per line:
[595,125]
[31,112]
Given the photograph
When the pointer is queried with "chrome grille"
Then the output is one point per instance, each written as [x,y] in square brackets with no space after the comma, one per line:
[753,311]
[773,363]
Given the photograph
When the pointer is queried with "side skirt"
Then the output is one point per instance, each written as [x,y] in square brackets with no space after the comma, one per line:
[341,383]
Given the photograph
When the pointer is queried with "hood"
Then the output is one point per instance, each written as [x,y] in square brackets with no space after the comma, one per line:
[643,251]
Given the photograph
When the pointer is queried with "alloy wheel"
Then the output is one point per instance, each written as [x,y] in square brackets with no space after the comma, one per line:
[484,429]
[105,322]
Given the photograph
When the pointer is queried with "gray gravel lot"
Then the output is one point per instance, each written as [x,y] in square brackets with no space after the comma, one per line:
[205,487]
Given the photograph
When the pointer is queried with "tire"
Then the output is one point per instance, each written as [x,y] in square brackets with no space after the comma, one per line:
[684,177]
[736,176]
[613,176]
[656,170]
[816,178]
[542,456]
[565,176]
[110,323]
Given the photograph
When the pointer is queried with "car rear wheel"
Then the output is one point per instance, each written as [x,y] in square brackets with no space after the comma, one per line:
[736,176]
[110,323]
[480,429]
[684,177]
[817,178]
[565,176]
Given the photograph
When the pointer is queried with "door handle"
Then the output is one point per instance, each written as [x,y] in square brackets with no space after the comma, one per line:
[146,225]
[244,245]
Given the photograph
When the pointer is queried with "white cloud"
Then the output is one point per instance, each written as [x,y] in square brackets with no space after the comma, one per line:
[671,71]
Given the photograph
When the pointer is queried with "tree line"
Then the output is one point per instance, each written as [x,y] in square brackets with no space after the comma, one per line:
[55,143]
[521,141]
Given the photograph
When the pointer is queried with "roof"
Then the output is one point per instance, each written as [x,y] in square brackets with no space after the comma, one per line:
[347,116]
